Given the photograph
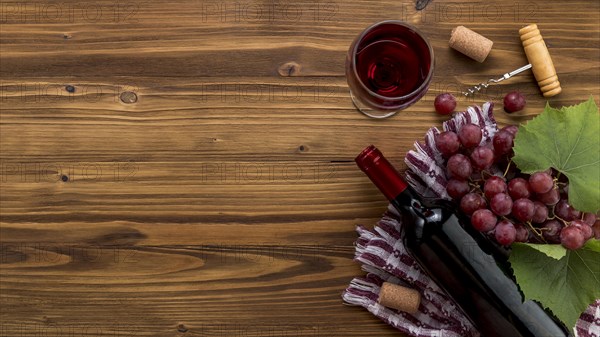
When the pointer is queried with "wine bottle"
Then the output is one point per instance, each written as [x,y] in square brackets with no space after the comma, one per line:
[474,271]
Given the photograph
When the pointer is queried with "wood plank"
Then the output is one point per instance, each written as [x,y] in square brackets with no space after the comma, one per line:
[222,202]
[156,291]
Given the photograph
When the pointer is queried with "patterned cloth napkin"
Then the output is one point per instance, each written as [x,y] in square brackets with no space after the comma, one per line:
[385,259]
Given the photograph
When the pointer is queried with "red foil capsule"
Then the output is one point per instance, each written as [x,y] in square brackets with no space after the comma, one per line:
[372,162]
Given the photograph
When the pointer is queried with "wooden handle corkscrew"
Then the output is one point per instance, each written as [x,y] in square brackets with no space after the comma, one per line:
[539,57]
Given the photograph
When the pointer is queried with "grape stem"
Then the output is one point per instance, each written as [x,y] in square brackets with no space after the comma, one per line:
[562,220]
[484,171]
[507,167]
[536,231]
[556,182]
[557,217]
[474,186]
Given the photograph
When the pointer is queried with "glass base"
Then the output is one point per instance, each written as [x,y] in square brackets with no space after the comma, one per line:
[370,112]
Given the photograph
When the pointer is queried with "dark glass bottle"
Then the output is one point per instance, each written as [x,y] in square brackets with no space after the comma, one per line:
[469,267]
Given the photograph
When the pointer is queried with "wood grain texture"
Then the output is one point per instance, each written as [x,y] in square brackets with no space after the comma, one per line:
[221,199]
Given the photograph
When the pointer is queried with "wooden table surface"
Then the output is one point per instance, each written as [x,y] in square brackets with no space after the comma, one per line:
[185,168]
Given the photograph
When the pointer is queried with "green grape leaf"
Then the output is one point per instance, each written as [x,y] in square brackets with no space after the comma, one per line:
[556,252]
[566,286]
[567,140]
[593,245]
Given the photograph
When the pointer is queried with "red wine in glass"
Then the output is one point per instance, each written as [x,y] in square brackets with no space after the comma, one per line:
[388,68]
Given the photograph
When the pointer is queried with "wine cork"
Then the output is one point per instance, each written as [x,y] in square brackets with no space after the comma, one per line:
[468,42]
[539,58]
[399,297]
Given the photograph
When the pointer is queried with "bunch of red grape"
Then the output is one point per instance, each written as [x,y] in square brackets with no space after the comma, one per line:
[513,206]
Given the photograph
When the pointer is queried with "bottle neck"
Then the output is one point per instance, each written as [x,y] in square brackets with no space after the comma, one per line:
[381,172]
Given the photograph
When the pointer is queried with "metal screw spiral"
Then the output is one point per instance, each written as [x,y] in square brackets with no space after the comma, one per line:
[477,88]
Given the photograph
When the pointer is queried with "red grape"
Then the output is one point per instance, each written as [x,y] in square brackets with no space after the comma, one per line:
[444,104]
[514,101]
[551,231]
[482,157]
[565,211]
[549,198]
[522,233]
[503,142]
[457,188]
[589,218]
[584,227]
[470,135]
[523,209]
[494,185]
[501,204]
[541,182]
[459,167]
[513,129]
[505,232]
[574,214]
[540,212]
[596,229]
[572,237]
[483,220]
[472,202]
[447,143]
[561,210]
[518,188]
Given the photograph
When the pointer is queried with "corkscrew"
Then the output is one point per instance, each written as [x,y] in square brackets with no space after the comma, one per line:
[476,88]
[539,62]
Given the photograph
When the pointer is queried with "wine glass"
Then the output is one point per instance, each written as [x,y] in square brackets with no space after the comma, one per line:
[389,67]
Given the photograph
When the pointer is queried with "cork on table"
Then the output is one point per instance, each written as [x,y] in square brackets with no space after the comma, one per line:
[185,168]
